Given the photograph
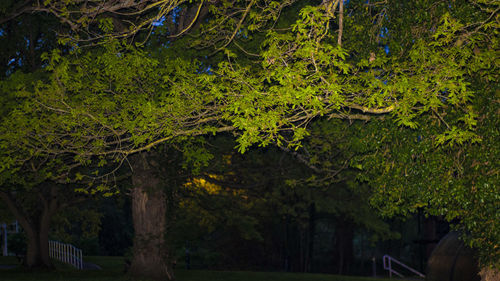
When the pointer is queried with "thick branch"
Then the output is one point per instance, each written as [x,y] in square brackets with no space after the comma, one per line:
[318,170]
[349,116]
[15,209]
[237,28]
[162,140]
[23,8]
[192,21]
[373,110]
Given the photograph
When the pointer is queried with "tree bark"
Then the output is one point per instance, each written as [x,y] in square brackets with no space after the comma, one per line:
[489,273]
[150,255]
[33,250]
[49,210]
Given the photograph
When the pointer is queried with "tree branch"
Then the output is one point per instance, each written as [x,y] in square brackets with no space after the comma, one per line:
[15,209]
[383,110]
[25,7]
[341,22]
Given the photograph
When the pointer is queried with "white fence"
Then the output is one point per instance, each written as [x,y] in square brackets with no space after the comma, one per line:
[66,253]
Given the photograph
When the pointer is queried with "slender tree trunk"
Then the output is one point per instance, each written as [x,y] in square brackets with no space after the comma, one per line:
[344,235]
[311,235]
[150,257]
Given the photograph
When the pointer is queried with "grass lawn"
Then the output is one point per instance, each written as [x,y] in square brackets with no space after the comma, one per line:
[113,271]
[201,275]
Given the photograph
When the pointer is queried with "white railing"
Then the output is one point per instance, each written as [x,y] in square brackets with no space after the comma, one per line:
[5,229]
[388,262]
[66,253]
[3,232]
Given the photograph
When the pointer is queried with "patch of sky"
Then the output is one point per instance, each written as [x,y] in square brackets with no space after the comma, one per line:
[19,60]
[158,22]
[39,44]
[2,32]
[240,33]
[175,14]
[444,97]
[208,70]
[12,64]
[205,69]
[384,32]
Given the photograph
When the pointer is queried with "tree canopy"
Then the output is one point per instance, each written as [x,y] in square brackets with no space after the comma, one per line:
[264,71]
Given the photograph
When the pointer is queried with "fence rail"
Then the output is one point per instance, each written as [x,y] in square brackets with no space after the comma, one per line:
[66,253]
[388,262]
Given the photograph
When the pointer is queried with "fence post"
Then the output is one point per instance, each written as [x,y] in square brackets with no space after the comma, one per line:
[81,258]
[66,253]
[390,269]
[74,257]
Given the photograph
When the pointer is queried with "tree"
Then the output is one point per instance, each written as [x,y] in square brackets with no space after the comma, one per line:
[32,200]
[102,106]
[34,208]
[261,210]
[24,38]
[461,183]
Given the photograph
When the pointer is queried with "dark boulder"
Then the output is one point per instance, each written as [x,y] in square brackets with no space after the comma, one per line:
[452,260]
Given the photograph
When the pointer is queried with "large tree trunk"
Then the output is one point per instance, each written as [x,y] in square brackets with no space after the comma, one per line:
[37,252]
[43,234]
[489,274]
[32,258]
[150,256]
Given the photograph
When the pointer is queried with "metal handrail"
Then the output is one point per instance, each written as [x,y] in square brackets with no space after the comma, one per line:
[388,266]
